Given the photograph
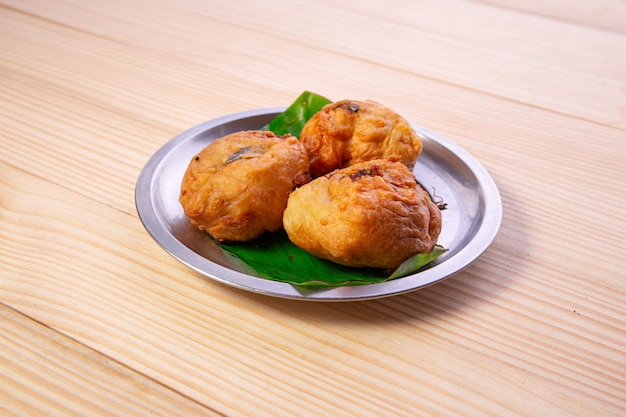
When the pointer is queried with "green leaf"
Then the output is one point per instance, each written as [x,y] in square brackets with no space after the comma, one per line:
[295,117]
[418,261]
[273,256]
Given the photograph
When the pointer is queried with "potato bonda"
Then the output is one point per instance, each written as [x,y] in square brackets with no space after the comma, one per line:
[369,214]
[347,132]
[237,187]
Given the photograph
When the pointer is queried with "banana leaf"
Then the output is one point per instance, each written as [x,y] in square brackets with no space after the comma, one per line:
[417,262]
[297,114]
[273,256]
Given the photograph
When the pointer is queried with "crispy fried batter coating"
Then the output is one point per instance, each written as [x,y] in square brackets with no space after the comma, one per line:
[348,132]
[237,187]
[369,214]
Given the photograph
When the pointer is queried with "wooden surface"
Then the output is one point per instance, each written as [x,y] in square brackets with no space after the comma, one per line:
[96,319]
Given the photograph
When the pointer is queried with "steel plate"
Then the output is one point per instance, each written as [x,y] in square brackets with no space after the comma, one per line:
[470,221]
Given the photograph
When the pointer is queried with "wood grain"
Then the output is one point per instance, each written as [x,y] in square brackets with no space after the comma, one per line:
[101,296]
[602,14]
[45,373]
[96,319]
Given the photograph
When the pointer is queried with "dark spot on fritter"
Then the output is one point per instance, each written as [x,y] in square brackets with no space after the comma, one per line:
[369,172]
[245,153]
[351,106]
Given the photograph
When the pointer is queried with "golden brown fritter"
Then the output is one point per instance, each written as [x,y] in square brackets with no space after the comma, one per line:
[237,187]
[369,214]
[348,132]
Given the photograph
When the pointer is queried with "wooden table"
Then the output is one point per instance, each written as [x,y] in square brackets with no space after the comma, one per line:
[96,318]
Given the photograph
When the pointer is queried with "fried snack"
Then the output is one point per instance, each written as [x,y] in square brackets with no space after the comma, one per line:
[237,187]
[369,214]
[348,132]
